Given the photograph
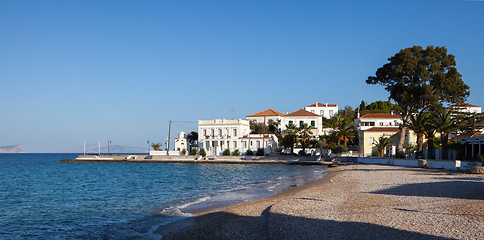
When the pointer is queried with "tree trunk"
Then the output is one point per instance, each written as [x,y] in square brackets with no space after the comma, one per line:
[401,142]
[419,143]
[430,149]
[445,140]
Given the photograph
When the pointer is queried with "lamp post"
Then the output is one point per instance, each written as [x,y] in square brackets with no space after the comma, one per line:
[109,153]
[148,142]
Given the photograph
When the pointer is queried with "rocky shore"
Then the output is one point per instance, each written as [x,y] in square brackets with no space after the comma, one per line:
[354,202]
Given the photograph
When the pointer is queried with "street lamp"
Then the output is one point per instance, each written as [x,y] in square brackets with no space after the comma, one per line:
[148,142]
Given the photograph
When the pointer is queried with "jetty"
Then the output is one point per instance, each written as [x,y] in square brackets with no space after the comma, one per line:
[278,159]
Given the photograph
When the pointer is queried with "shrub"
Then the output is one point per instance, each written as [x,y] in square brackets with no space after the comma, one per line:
[340,149]
[249,153]
[202,152]
[375,153]
[236,152]
[184,152]
[226,152]
[481,157]
[194,151]
[260,152]
[301,153]
[400,154]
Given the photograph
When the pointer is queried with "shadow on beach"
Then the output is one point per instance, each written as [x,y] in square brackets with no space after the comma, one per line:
[449,189]
[223,225]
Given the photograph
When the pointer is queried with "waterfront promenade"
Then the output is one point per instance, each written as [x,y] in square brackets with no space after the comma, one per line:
[354,202]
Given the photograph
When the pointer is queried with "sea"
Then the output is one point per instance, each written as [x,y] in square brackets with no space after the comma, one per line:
[44,198]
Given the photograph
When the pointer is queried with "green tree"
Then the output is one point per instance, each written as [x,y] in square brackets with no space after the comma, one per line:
[382,144]
[156,146]
[289,136]
[203,153]
[418,79]
[321,144]
[236,152]
[192,137]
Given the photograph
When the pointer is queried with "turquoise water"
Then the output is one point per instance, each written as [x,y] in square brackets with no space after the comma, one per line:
[43,198]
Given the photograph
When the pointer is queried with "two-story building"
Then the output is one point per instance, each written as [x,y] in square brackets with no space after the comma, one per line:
[302,116]
[215,136]
[372,126]
[323,109]
[265,116]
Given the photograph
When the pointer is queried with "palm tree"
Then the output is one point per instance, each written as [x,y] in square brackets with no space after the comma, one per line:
[289,137]
[417,123]
[156,146]
[430,130]
[382,144]
[345,131]
[305,134]
[444,124]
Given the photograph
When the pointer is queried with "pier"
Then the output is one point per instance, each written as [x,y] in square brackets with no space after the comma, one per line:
[282,159]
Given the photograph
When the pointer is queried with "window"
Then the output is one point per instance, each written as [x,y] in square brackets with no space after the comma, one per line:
[312,111]
[213,132]
[204,132]
[245,144]
[235,132]
[301,123]
[258,144]
[322,112]
[235,144]
[220,132]
[313,123]
[330,113]
[290,122]
[372,140]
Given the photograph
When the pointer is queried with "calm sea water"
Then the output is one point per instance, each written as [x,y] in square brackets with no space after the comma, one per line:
[43,198]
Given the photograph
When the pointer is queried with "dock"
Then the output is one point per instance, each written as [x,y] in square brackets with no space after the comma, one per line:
[282,159]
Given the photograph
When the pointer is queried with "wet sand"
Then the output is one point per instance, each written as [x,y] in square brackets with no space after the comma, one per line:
[353,202]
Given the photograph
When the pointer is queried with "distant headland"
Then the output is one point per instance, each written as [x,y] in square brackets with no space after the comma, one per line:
[12,149]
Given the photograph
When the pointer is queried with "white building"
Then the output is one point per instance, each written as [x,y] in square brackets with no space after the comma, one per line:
[302,116]
[466,108]
[323,109]
[181,142]
[265,116]
[371,120]
[215,136]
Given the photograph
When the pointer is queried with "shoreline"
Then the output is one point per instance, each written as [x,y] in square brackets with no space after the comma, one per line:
[352,202]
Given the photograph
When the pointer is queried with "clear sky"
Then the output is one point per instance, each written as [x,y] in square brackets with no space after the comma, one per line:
[120,70]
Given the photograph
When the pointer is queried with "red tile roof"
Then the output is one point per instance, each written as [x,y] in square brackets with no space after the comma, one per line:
[463,105]
[382,115]
[317,104]
[268,112]
[301,113]
[382,129]
[466,135]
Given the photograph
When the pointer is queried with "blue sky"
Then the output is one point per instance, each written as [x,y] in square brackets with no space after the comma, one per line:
[120,70]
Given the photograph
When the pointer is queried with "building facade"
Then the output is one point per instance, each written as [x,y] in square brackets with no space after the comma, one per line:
[181,142]
[302,116]
[265,116]
[323,109]
[215,136]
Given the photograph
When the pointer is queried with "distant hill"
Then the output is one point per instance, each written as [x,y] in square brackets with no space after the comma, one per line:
[93,148]
[12,149]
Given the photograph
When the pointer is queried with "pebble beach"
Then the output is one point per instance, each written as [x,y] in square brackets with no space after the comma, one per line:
[353,202]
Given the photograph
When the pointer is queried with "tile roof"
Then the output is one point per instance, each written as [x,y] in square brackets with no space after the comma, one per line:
[463,105]
[301,113]
[317,104]
[382,115]
[382,129]
[268,112]
[466,135]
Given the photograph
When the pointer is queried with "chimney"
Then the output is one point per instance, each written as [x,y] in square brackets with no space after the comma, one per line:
[391,112]
[326,104]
